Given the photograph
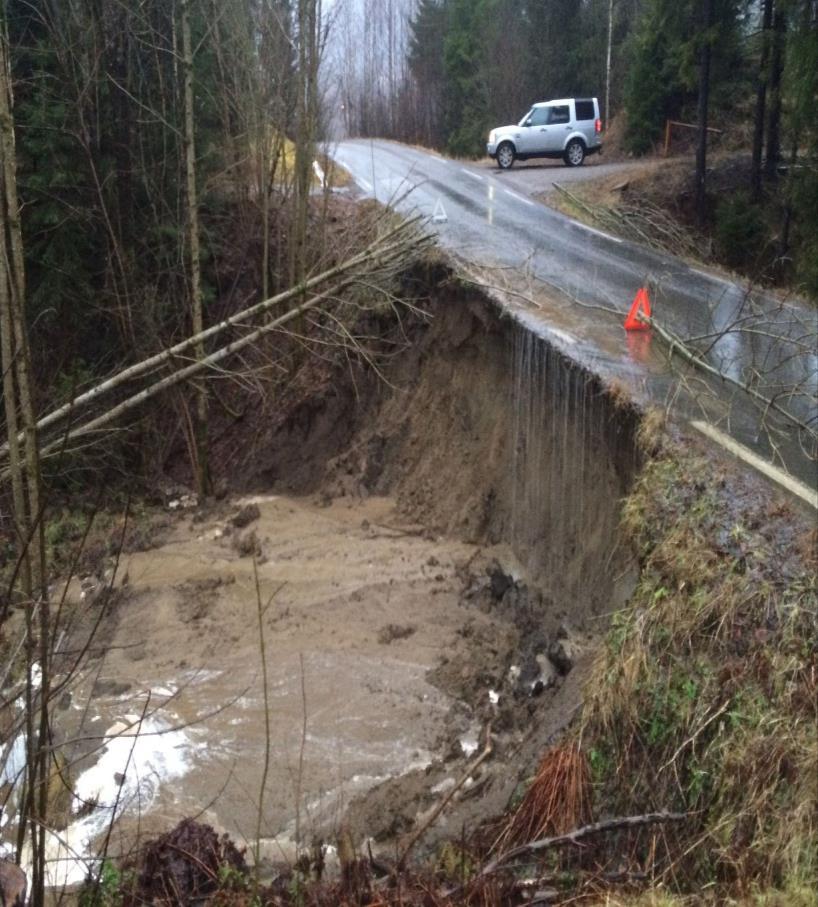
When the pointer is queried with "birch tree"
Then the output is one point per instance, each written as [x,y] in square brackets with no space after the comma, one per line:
[307,106]
[194,258]
[27,499]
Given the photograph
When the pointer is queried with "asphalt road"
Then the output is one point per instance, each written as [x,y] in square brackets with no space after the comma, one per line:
[537,177]
[571,272]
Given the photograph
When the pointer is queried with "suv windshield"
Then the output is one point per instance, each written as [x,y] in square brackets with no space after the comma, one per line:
[537,116]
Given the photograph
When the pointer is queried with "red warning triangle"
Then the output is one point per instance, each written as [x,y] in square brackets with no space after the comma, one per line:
[641,303]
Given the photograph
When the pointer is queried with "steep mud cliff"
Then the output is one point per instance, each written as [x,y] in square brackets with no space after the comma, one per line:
[482,429]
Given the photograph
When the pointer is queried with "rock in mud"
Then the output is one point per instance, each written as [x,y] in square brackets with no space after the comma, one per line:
[108,688]
[247,544]
[500,581]
[185,502]
[391,632]
[547,676]
[248,514]
[563,652]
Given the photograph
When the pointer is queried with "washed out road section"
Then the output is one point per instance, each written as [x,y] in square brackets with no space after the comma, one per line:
[572,271]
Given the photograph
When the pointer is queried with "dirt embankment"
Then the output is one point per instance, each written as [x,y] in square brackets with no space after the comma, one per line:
[478,431]
[436,546]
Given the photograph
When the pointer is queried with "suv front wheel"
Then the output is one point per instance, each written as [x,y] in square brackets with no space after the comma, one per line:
[505,155]
[574,153]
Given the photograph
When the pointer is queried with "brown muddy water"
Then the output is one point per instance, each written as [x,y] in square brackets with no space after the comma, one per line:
[355,610]
[435,553]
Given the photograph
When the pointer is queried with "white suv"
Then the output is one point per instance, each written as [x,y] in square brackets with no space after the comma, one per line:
[569,128]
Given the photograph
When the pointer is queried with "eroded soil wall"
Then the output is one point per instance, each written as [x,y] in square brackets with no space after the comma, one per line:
[482,429]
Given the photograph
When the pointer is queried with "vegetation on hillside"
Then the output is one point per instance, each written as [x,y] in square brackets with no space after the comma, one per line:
[705,697]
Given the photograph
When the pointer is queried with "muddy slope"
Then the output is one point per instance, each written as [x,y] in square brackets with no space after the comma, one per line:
[443,575]
[484,431]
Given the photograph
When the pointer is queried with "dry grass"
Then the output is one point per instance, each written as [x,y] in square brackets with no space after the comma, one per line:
[706,696]
[558,800]
[652,434]
[660,897]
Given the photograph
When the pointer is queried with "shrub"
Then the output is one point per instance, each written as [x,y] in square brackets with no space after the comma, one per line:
[740,230]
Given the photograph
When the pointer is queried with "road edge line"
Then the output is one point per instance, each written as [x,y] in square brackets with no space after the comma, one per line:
[786,481]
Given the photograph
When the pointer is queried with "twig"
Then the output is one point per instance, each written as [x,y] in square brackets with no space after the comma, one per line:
[578,835]
[696,733]
[675,345]
[302,747]
[445,801]
[397,530]
[260,610]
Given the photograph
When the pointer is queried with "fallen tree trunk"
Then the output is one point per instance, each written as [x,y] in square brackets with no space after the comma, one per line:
[397,252]
[675,345]
[400,240]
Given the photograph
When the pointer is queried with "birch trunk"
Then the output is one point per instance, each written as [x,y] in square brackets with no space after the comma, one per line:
[200,466]
[26,493]
[306,127]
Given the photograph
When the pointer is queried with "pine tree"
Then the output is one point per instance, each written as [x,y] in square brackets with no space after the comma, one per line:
[465,97]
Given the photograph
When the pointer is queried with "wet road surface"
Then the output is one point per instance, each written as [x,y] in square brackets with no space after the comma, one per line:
[565,277]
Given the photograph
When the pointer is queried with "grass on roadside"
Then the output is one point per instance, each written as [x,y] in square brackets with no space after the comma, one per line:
[705,697]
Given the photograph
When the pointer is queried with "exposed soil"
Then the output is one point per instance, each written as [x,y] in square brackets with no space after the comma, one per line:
[334,583]
[435,549]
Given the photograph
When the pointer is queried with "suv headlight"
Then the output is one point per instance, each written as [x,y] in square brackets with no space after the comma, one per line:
[491,136]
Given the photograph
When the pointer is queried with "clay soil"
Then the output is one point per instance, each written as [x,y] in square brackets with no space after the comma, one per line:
[388,654]
[389,550]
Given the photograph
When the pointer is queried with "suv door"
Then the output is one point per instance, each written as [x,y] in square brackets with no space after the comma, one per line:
[534,133]
[558,126]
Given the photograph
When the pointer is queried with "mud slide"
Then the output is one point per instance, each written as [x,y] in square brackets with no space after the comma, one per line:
[408,558]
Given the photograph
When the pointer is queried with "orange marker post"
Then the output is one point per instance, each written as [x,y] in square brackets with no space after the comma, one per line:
[641,303]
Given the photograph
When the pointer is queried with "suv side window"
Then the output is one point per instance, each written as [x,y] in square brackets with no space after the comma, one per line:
[585,110]
[538,116]
[561,114]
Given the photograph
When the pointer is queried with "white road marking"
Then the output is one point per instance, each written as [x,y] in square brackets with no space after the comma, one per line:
[474,176]
[615,239]
[715,278]
[566,338]
[763,466]
[519,198]
[736,285]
